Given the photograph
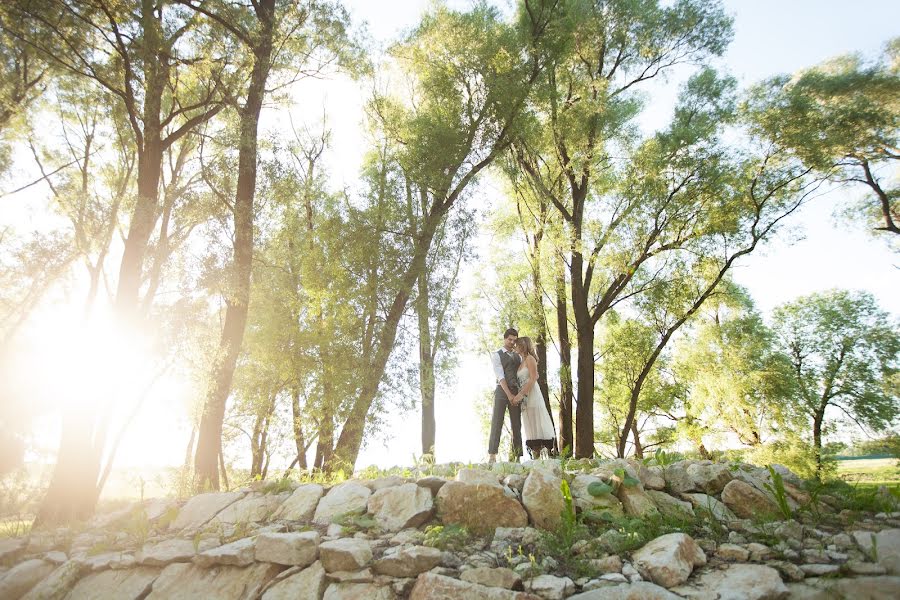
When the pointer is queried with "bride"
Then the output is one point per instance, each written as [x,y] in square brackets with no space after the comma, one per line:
[539,430]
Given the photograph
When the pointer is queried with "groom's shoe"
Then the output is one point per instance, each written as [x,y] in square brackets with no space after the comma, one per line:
[492,458]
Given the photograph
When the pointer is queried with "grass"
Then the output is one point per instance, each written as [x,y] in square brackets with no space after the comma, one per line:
[14,527]
[867,472]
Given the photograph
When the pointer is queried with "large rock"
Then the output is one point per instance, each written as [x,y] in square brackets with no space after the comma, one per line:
[586,502]
[11,549]
[709,478]
[398,507]
[635,501]
[344,498]
[709,504]
[126,584]
[345,554]
[301,505]
[737,582]
[199,510]
[297,549]
[857,588]
[477,476]
[651,477]
[670,506]
[640,590]
[183,581]
[24,576]
[669,559]
[431,586]
[408,562]
[58,583]
[746,501]
[359,591]
[885,548]
[543,499]
[253,508]
[173,550]
[550,587]
[500,577]
[479,506]
[239,553]
[678,481]
[308,584]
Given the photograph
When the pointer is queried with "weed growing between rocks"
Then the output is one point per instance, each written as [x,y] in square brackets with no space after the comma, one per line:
[451,537]
[352,523]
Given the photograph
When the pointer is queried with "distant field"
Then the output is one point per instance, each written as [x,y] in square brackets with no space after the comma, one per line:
[870,472]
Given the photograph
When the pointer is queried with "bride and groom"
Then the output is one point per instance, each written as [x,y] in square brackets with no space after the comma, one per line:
[515,368]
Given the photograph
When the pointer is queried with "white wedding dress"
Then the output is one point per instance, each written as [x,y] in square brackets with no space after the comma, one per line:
[535,419]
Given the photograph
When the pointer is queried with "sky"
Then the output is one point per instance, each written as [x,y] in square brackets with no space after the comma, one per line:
[817,252]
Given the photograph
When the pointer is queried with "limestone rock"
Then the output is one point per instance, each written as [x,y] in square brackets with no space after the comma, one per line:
[199,510]
[253,508]
[239,553]
[359,591]
[737,582]
[710,505]
[651,477]
[669,559]
[24,576]
[129,584]
[500,577]
[399,507]
[307,584]
[432,483]
[732,552]
[670,506]
[635,501]
[550,587]
[57,584]
[182,581]
[640,590]
[408,562]
[11,548]
[585,501]
[887,543]
[431,586]
[301,505]
[543,499]
[477,476]
[172,550]
[609,564]
[677,478]
[865,588]
[347,497]
[709,478]
[383,483]
[300,549]
[479,506]
[746,501]
[345,554]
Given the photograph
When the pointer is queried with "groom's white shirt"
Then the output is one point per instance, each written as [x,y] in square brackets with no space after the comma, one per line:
[498,367]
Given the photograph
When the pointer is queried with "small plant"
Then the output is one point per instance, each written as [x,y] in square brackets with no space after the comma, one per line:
[138,526]
[279,486]
[622,478]
[778,491]
[447,537]
[353,522]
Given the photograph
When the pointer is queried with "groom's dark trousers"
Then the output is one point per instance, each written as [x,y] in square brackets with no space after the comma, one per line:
[510,365]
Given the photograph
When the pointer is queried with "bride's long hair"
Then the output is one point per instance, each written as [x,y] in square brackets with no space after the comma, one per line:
[524,344]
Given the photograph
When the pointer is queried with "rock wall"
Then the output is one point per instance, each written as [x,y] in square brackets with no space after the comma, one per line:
[475,535]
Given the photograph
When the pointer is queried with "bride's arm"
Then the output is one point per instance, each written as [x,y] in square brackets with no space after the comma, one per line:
[532,372]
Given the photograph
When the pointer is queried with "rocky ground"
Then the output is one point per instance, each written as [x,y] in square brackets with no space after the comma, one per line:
[585,530]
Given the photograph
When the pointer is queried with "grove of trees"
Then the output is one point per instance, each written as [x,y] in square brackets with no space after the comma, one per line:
[185,193]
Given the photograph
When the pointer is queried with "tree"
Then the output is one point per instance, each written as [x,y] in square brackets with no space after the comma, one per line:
[844,351]
[842,118]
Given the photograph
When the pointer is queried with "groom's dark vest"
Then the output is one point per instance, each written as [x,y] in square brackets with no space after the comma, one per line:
[510,365]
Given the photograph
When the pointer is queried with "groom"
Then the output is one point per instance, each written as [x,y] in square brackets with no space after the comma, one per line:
[506,362]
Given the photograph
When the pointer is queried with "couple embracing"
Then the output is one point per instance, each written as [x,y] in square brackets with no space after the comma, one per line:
[515,367]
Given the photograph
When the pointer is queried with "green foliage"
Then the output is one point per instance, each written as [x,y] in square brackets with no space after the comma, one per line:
[450,537]
[279,486]
[776,488]
[794,451]
[353,522]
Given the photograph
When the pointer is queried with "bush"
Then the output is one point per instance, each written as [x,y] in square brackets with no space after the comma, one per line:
[794,453]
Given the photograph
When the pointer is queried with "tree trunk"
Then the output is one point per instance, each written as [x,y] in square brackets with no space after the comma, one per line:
[818,419]
[299,439]
[566,441]
[426,364]
[209,442]
[636,436]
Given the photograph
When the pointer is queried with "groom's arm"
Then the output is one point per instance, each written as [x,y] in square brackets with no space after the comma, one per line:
[500,375]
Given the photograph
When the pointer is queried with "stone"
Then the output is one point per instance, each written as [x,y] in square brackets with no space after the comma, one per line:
[709,478]
[641,590]
[297,549]
[600,504]
[818,569]
[864,568]
[736,582]
[358,591]
[301,504]
[478,506]
[678,481]
[477,476]
[550,587]
[108,560]
[515,482]
[746,501]
[239,553]
[56,557]
[199,510]
[172,550]
[307,584]
[408,562]
[543,499]
[11,548]
[788,570]
[398,507]
[670,506]
[431,586]
[432,483]
[651,477]
[887,543]
[865,588]
[344,498]
[57,584]
[635,501]
[709,504]
[24,576]
[609,564]
[345,554]
[669,559]
[184,581]
[385,482]
[363,576]
[130,584]
[499,577]
[732,552]
[253,508]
